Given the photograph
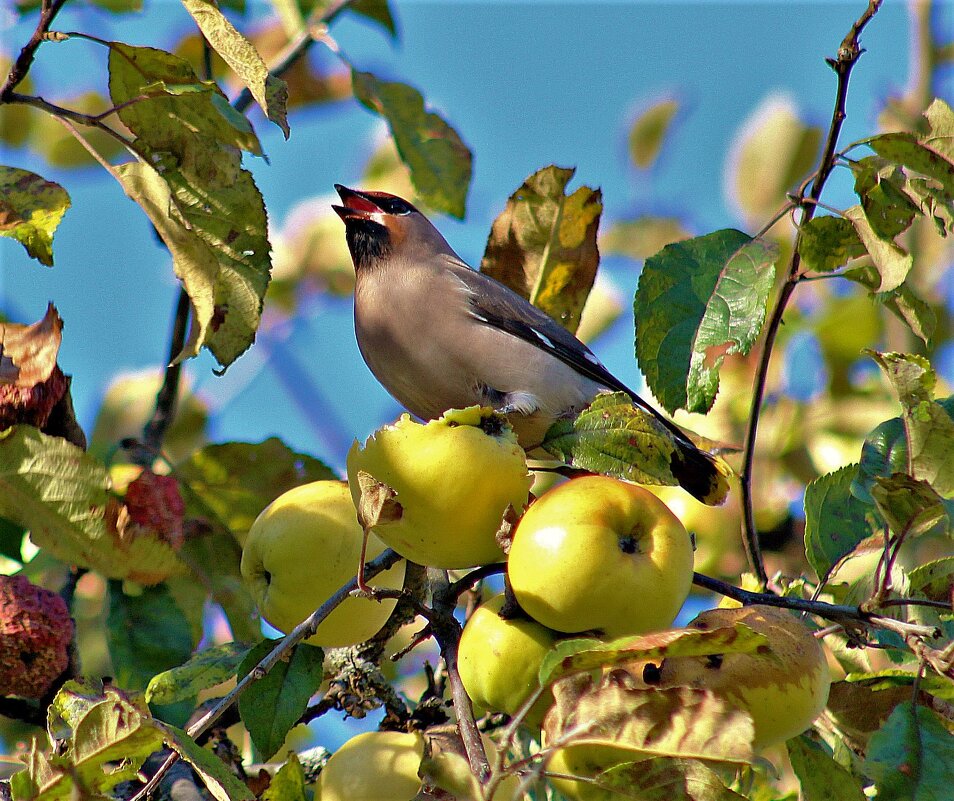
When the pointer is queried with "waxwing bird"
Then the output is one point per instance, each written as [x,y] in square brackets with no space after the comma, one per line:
[439,335]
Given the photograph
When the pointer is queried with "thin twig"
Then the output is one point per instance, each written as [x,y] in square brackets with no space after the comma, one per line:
[92,121]
[848,54]
[24,60]
[302,631]
[155,430]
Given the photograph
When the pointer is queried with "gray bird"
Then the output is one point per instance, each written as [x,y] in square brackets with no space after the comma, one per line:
[439,335]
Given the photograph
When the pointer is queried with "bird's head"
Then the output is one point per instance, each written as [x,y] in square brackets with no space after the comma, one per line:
[379,226]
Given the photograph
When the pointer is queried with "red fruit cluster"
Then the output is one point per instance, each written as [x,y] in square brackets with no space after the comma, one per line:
[154,502]
[35,635]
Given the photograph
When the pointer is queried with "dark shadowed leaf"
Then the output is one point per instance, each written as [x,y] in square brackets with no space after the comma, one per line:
[205,669]
[231,483]
[377,11]
[543,244]
[648,134]
[147,634]
[696,302]
[239,53]
[439,161]
[912,757]
[271,706]
[829,242]
[835,520]
[819,776]
[30,210]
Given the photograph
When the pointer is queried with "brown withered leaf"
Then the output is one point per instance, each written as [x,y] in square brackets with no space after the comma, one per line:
[378,503]
[543,244]
[28,352]
[620,711]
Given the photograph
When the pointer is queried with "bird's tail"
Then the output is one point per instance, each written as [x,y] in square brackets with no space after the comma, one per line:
[703,475]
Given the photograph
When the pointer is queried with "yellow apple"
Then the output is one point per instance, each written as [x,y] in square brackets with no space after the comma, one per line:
[454,480]
[587,763]
[374,766]
[303,547]
[599,553]
[499,659]
[784,685]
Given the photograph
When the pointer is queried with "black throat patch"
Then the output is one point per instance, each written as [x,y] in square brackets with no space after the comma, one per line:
[368,242]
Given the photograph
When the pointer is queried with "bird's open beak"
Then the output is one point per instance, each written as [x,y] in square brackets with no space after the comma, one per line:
[356,205]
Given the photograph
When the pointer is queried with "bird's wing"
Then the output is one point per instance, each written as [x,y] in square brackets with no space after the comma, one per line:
[496,305]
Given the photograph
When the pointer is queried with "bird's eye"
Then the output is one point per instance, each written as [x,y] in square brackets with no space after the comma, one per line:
[394,205]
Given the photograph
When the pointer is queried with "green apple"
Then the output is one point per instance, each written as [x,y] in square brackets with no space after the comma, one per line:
[454,480]
[499,659]
[374,766]
[301,549]
[600,554]
[784,685]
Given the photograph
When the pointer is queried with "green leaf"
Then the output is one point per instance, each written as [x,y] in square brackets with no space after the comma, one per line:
[243,59]
[581,655]
[216,235]
[146,633]
[118,6]
[103,737]
[819,776]
[204,669]
[648,133]
[880,186]
[904,148]
[187,125]
[928,425]
[377,11]
[696,302]
[205,207]
[231,483]
[59,493]
[11,540]
[910,507]
[938,686]
[543,244]
[642,237]
[439,161]
[911,758]
[215,774]
[289,783]
[613,438]
[891,261]
[271,706]
[826,243]
[30,210]
[905,304]
[835,520]
[934,579]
